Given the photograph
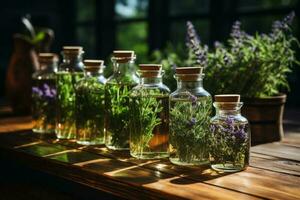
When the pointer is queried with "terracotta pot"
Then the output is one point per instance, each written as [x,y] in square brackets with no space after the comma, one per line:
[265,117]
[23,62]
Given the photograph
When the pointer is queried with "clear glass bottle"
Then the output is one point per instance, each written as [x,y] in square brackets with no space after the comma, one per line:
[117,90]
[149,115]
[190,112]
[44,94]
[230,135]
[90,104]
[69,72]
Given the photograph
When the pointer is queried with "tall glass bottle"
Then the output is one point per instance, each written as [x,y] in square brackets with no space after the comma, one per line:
[149,114]
[117,90]
[230,131]
[90,104]
[44,94]
[69,72]
[190,110]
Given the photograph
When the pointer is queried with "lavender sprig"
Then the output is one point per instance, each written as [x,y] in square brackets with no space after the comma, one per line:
[194,44]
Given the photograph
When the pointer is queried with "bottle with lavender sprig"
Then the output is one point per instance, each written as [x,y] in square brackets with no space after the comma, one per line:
[230,135]
[44,94]
[190,112]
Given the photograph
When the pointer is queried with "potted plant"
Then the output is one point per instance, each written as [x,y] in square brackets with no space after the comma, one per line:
[254,66]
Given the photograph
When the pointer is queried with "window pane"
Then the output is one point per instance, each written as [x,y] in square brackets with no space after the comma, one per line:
[133,36]
[259,24]
[264,4]
[85,10]
[189,7]
[178,31]
[86,38]
[131,8]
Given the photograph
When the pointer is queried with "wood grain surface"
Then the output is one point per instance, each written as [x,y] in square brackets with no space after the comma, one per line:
[273,173]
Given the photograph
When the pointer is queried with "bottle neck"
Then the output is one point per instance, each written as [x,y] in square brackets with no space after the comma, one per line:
[49,67]
[222,112]
[189,85]
[93,73]
[124,68]
[71,59]
[151,80]
[228,108]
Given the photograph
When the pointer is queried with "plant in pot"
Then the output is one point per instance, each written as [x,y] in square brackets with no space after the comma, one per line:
[254,66]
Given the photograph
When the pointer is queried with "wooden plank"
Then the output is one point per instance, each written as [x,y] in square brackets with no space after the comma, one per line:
[122,178]
[13,124]
[275,164]
[292,139]
[185,175]
[279,150]
[272,164]
[264,183]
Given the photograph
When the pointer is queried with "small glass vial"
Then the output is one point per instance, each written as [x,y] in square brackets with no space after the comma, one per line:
[190,112]
[230,135]
[149,115]
[90,104]
[117,89]
[44,94]
[69,72]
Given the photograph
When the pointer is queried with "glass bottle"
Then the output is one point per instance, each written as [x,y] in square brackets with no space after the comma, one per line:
[149,114]
[69,72]
[117,90]
[44,94]
[90,104]
[190,112]
[230,135]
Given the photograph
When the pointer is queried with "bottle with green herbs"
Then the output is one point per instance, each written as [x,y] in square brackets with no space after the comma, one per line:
[90,104]
[69,72]
[117,89]
[44,94]
[230,135]
[149,114]
[190,112]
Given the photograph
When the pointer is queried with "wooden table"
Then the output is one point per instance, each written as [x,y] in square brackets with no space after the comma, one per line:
[273,173]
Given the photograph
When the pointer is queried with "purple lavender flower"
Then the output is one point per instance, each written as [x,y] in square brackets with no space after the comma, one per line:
[229,121]
[193,99]
[193,43]
[48,94]
[288,20]
[282,25]
[192,38]
[240,134]
[46,86]
[36,90]
[236,30]
[191,122]
[230,124]
[53,91]
[212,128]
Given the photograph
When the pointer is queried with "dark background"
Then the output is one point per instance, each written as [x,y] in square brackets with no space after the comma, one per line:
[101,26]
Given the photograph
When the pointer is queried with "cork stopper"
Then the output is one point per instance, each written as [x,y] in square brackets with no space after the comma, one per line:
[227,98]
[123,56]
[73,50]
[150,70]
[227,101]
[47,58]
[189,73]
[93,65]
[189,70]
